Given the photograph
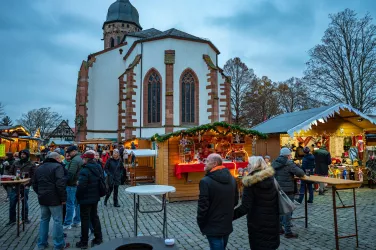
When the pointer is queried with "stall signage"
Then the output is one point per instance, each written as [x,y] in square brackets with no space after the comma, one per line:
[2,150]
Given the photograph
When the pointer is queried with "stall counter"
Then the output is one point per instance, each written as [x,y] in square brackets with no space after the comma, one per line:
[181,168]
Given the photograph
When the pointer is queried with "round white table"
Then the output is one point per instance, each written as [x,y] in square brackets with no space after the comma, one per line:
[150,190]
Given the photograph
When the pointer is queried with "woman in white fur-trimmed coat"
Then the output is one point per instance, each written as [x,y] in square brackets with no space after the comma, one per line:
[260,203]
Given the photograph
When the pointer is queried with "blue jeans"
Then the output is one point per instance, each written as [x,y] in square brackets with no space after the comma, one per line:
[285,220]
[73,209]
[57,234]
[217,243]
[302,192]
[13,204]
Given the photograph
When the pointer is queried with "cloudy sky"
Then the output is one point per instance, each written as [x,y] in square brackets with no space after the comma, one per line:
[42,42]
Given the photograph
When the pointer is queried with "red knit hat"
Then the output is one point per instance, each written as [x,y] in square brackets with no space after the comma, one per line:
[90,154]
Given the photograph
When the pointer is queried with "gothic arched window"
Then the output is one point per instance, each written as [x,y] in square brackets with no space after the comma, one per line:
[189,97]
[153,91]
[112,42]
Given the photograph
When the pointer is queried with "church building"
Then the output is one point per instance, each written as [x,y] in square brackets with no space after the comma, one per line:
[148,81]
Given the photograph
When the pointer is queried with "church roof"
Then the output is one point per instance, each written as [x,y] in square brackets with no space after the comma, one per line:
[179,34]
[157,34]
[145,33]
[123,11]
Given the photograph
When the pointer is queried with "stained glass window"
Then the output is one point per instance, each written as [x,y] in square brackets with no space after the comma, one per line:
[188,98]
[154,98]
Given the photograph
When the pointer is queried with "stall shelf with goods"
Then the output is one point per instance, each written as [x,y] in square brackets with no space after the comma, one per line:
[341,128]
[181,155]
[139,160]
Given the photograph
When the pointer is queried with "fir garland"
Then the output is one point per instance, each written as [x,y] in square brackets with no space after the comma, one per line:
[231,129]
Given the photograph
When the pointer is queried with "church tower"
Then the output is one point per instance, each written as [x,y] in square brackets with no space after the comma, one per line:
[122,18]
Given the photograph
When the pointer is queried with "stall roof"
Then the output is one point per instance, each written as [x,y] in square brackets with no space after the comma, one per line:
[20,130]
[97,141]
[303,120]
[141,152]
[61,142]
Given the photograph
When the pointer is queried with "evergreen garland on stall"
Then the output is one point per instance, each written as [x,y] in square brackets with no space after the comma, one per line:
[229,129]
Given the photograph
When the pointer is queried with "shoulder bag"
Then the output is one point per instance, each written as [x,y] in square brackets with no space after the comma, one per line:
[102,184]
[285,204]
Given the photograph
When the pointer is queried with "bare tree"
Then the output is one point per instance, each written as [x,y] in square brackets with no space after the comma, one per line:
[294,95]
[43,118]
[6,121]
[2,111]
[261,101]
[241,78]
[343,67]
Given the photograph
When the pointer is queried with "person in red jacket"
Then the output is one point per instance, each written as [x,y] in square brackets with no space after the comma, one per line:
[105,156]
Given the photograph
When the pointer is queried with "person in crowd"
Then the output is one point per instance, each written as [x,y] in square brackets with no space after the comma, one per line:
[16,156]
[113,168]
[72,217]
[98,159]
[105,156]
[285,170]
[88,196]
[8,162]
[308,166]
[299,152]
[49,184]
[217,199]
[65,164]
[267,160]
[27,169]
[322,162]
[260,203]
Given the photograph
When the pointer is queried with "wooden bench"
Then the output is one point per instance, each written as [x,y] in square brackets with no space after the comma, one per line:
[141,174]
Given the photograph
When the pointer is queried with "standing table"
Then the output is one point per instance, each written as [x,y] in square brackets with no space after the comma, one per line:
[17,184]
[150,190]
[336,184]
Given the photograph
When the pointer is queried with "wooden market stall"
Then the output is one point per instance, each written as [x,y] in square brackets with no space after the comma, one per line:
[181,155]
[139,159]
[341,128]
[15,138]
[95,143]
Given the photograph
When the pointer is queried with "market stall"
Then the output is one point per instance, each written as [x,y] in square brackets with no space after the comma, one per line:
[341,128]
[16,138]
[96,143]
[139,159]
[181,155]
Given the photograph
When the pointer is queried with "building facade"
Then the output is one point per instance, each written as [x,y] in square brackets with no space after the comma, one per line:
[148,81]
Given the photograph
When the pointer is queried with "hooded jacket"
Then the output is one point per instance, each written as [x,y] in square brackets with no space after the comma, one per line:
[218,197]
[50,183]
[24,165]
[260,203]
[285,170]
[323,160]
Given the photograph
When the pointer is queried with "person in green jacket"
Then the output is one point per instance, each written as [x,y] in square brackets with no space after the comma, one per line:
[72,217]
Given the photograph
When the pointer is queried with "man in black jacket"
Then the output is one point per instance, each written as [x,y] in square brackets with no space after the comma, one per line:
[218,197]
[26,168]
[49,184]
[322,161]
[114,169]
[285,170]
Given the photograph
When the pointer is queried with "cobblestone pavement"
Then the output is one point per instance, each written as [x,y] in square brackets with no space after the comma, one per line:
[118,223]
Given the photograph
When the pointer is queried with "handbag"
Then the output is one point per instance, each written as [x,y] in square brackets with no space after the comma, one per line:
[286,205]
[101,183]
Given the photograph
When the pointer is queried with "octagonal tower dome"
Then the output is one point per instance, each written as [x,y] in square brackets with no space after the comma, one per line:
[122,18]
[123,11]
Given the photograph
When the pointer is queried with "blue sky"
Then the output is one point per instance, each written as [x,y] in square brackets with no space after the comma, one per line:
[44,41]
